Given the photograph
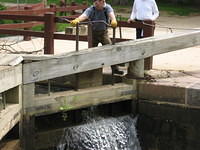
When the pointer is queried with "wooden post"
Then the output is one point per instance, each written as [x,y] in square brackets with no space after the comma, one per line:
[27,122]
[27,38]
[148,32]
[90,78]
[136,69]
[49,31]
[73,4]
[135,72]
[53,8]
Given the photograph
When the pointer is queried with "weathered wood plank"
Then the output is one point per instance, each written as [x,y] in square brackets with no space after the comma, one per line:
[10,145]
[107,55]
[10,59]
[10,77]
[27,122]
[9,117]
[64,101]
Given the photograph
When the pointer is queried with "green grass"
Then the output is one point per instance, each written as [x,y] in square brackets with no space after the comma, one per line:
[59,27]
[37,1]
[181,10]
[20,1]
[172,9]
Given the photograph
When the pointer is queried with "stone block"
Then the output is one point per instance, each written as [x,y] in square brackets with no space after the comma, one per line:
[159,92]
[72,30]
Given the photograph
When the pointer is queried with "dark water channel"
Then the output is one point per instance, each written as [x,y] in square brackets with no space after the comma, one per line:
[117,133]
[110,130]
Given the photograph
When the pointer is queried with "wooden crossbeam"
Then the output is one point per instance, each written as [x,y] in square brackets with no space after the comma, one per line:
[20,25]
[107,55]
[70,100]
[9,118]
[22,17]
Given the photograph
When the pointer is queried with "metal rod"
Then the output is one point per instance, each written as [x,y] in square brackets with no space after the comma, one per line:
[120,28]
[114,39]
[83,23]
[77,49]
[113,43]
[77,37]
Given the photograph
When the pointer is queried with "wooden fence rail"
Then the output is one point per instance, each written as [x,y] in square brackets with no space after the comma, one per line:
[37,11]
[49,67]
[49,20]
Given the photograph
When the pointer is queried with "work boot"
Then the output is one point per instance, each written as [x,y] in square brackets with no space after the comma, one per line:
[118,72]
[115,70]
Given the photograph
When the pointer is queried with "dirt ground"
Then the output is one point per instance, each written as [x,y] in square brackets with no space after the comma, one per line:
[186,59]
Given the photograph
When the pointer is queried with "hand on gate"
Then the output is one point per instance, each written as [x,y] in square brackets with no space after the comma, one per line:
[114,23]
[74,22]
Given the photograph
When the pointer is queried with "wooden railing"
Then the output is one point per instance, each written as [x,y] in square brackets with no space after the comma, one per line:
[40,9]
[40,68]
[49,20]
[35,9]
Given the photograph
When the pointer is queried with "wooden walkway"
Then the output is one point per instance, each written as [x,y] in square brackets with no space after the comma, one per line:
[19,75]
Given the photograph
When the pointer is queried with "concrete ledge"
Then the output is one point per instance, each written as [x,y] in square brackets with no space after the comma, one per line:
[171,86]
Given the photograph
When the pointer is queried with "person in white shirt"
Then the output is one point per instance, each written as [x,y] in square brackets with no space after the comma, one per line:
[146,11]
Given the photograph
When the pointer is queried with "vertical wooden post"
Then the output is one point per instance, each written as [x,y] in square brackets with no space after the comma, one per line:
[27,121]
[136,69]
[27,38]
[148,32]
[90,78]
[77,37]
[49,29]
[73,12]
[135,72]
[53,8]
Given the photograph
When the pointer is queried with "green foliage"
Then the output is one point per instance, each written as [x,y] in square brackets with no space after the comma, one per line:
[2,7]
[38,28]
[61,26]
[48,1]
[68,1]
[65,107]
[21,1]
[175,9]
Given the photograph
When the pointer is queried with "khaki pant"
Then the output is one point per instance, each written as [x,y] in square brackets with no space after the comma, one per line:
[100,37]
[103,38]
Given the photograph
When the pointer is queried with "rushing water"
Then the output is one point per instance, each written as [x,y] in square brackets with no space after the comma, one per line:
[102,134]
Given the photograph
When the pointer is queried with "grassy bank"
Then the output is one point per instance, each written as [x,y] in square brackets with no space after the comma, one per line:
[37,1]
[173,9]
[181,10]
